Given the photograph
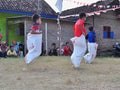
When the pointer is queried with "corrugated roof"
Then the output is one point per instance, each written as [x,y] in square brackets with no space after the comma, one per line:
[31,6]
[26,6]
[87,9]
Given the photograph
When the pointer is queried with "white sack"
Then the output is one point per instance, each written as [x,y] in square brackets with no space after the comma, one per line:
[34,46]
[79,44]
[92,51]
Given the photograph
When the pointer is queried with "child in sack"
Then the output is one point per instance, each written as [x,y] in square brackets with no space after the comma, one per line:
[34,40]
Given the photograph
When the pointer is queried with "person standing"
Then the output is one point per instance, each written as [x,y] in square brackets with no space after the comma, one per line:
[92,46]
[79,41]
[34,40]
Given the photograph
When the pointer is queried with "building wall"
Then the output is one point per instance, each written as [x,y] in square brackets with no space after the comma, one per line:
[106,19]
[3,17]
[13,34]
[12,28]
[67,31]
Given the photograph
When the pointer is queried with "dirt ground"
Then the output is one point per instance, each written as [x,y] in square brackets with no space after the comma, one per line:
[56,73]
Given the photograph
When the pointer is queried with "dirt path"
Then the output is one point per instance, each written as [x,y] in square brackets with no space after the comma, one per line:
[56,73]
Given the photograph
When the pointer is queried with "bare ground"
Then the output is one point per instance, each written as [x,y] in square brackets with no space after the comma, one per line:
[56,73]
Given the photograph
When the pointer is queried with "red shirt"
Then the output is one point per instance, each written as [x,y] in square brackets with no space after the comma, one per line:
[67,50]
[35,26]
[77,31]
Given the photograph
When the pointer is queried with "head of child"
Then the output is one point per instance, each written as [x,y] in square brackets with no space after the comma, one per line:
[91,28]
[82,16]
[36,19]
[3,46]
[67,43]
[53,46]
[14,42]
[2,43]
[12,48]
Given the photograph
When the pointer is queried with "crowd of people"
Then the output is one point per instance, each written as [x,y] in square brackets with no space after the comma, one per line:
[65,51]
[16,49]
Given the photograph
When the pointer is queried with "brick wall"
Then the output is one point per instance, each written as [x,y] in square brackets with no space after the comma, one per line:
[106,19]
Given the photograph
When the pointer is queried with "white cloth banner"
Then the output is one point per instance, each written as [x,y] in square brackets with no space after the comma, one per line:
[92,51]
[79,44]
[34,46]
[59,5]
[68,4]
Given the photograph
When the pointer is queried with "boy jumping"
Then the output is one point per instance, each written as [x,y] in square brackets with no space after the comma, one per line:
[34,40]
[79,41]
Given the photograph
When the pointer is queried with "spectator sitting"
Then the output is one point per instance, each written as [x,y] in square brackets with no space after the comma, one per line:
[11,52]
[53,50]
[16,46]
[117,46]
[67,49]
[21,49]
[3,50]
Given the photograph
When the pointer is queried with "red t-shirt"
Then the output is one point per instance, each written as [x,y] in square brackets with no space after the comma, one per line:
[77,31]
[67,50]
[36,27]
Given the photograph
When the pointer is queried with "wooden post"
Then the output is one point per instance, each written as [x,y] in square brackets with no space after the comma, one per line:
[46,38]
[59,33]
[7,31]
[25,36]
[93,20]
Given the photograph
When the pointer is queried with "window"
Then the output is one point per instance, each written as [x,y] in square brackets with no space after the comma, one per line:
[21,26]
[20,29]
[107,34]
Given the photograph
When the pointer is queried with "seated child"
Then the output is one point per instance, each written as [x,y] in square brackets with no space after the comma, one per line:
[67,49]
[53,50]
[16,46]
[11,52]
